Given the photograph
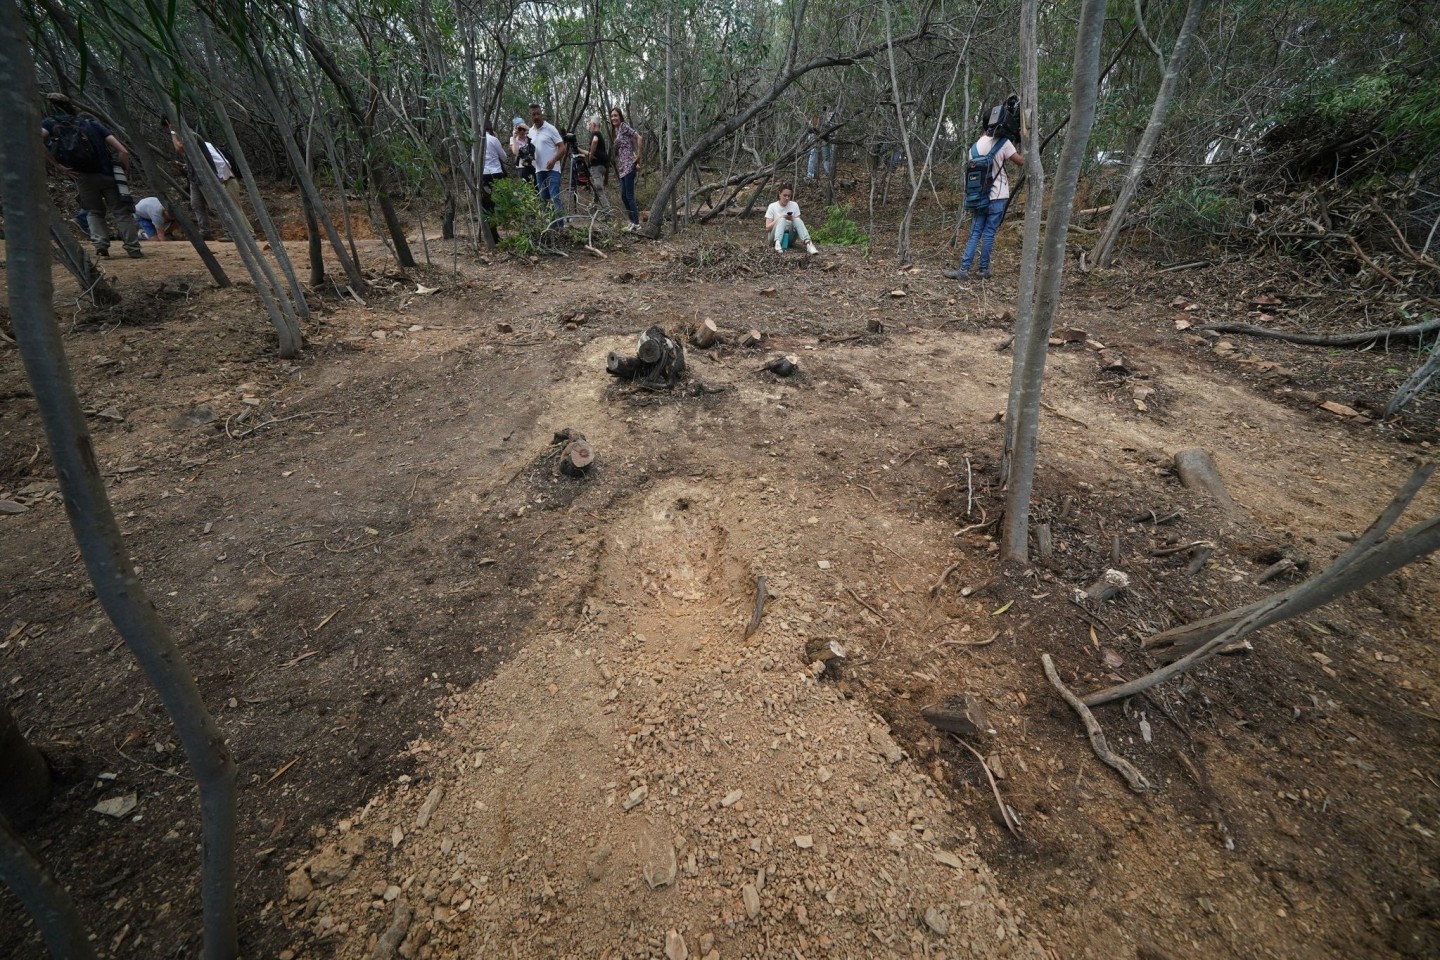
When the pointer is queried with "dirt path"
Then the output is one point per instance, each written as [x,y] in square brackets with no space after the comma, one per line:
[396,592]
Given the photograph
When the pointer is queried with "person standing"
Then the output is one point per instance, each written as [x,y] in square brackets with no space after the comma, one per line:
[783,217]
[549,152]
[986,220]
[493,169]
[597,159]
[81,147]
[523,151]
[628,147]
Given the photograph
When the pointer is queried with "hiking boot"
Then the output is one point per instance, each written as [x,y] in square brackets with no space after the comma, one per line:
[136,254]
[102,252]
[984,274]
[958,274]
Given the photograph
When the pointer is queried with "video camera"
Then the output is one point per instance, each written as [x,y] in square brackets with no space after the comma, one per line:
[1005,119]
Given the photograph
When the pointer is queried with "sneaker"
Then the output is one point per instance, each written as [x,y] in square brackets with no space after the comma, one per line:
[958,274]
[102,252]
[778,247]
[810,248]
[136,254]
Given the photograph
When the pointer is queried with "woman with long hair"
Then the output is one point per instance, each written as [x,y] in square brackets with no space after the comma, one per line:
[628,145]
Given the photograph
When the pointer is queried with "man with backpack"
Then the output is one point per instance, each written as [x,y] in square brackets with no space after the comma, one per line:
[81,147]
[987,188]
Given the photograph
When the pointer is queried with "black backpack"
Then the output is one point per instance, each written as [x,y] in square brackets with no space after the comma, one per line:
[980,176]
[73,146]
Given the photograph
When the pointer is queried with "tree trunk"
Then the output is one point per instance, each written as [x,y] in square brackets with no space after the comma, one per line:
[1025,338]
[81,267]
[44,898]
[24,774]
[22,190]
[1105,245]
[1050,271]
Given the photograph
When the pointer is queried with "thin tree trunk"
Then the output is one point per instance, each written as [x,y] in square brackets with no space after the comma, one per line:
[93,283]
[43,897]
[1050,272]
[1025,337]
[1105,245]
[22,189]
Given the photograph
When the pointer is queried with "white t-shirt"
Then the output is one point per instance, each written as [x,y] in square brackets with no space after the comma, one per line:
[776,212]
[222,166]
[1000,186]
[494,155]
[547,142]
[153,210]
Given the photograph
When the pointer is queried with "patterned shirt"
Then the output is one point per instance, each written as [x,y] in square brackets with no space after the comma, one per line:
[625,149]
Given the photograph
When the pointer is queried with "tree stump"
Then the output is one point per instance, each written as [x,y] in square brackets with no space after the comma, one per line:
[1197,472]
[752,339]
[782,366]
[25,785]
[705,335]
[577,458]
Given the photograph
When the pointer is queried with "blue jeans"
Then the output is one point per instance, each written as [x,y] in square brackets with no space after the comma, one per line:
[627,197]
[983,224]
[815,152]
[548,183]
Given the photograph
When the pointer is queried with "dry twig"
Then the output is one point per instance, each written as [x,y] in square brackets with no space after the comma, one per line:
[1133,777]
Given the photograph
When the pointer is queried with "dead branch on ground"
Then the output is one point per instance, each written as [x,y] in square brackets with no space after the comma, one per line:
[1133,777]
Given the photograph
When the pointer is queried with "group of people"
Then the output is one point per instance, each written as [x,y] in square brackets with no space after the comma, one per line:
[99,163]
[538,151]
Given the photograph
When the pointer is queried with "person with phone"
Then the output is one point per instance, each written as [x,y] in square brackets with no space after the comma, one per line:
[782,218]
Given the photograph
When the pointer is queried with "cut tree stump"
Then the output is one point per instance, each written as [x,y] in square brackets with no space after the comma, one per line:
[1197,472]
[705,335]
[752,339]
[577,458]
[782,366]
[961,715]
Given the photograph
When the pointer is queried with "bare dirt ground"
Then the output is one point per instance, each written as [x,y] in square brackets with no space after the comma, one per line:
[484,709]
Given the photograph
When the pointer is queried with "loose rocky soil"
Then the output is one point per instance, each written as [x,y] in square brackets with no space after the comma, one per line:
[484,709]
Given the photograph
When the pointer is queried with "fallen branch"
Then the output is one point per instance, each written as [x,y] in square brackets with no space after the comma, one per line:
[1358,338]
[940,583]
[1006,816]
[760,596]
[1133,777]
[1355,248]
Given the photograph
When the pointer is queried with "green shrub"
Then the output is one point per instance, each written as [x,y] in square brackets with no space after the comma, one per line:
[520,215]
[1198,209]
[840,229]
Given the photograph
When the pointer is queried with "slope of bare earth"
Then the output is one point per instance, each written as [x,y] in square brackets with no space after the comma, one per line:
[485,709]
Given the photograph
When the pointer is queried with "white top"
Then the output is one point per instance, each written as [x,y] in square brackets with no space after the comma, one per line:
[222,166]
[547,142]
[1000,186]
[776,212]
[151,209]
[494,155]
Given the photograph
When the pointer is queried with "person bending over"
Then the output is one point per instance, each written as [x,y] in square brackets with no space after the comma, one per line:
[782,218]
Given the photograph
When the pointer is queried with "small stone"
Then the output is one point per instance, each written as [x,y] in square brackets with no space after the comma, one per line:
[707,943]
[397,836]
[948,859]
[675,948]
[751,896]
[378,334]
[391,892]
[595,866]
[997,769]
[286,955]
[330,867]
[299,888]
[888,748]
[731,798]
[660,865]
[936,921]
[637,796]
[805,841]
[416,328]
[823,564]
[118,807]
[10,506]
[427,809]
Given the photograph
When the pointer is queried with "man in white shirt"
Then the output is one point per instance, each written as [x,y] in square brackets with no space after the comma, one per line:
[783,217]
[984,222]
[549,152]
[154,220]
